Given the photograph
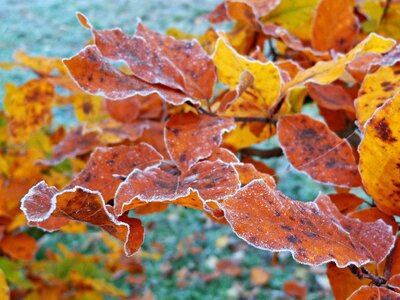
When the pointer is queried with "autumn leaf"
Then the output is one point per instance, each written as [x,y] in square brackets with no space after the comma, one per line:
[379,157]
[375,90]
[325,72]
[373,292]
[28,108]
[107,165]
[204,181]
[190,137]
[264,90]
[334,26]
[20,246]
[310,147]
[268,220]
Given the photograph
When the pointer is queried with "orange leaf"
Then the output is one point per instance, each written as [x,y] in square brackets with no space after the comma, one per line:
[331,96]
[334,26]
[373,292]
[44,202]
[311,147]
[295,289]
[268,220]
[204,181]
[258,276]
[346,202]
[373,214]
[107,162]
[343,282]
[75,143]
[96,76]
[190,137]
[20,246]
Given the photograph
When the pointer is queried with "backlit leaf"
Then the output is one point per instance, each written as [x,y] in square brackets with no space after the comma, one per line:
[334,26]
[28,108]
[325,72]
[266,86]
[379,157]
[375,90]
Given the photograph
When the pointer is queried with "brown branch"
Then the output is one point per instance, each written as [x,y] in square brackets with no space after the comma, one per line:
[364,273]
[250,119]
[262,153]
[385,9]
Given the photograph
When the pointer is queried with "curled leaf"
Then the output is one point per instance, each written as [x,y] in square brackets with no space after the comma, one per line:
[44,203]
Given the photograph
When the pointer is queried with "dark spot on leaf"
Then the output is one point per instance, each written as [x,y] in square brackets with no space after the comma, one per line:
[384,132]
[293,239]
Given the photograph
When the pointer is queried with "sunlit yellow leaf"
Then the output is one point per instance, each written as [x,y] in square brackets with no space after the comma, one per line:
[230,64]
[375,90]
[28,108]
[380,157]
[295,16]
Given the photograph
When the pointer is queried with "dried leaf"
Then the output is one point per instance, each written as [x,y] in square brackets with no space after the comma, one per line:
[295,289]
[106,165]
[310,147]
[258,276]
[159,59]
[374,292]
[268,220]
[346,202]
[331,96]
[190,137]
[43,203]
[204,181]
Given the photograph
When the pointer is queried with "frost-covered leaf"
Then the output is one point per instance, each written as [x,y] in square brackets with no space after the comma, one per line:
[311,147]
[190,137]
[43,203]
[268,220]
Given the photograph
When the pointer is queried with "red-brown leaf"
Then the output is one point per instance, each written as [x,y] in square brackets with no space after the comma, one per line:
[190,137]
[311,147]
[267,219]
[43,202]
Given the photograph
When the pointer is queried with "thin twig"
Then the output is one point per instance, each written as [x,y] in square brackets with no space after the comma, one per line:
[262,153]
[250,119]
[385,9]
[364,273]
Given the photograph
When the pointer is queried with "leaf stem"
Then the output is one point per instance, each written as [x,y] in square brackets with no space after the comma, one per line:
[364,273]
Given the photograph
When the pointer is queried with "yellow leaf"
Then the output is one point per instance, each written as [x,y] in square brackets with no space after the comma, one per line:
[74,227]
[380,157]
[230,65]
[325,72]
[4,289]
[388,25]
[28,108]
[87,107]
[40,64]
[375,90]
[295,16]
